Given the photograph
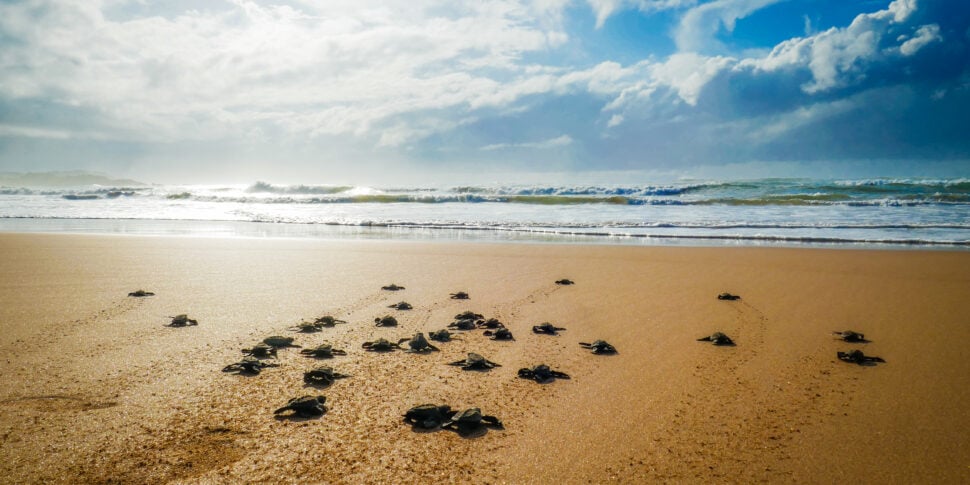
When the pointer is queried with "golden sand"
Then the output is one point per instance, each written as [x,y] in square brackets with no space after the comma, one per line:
[98,389]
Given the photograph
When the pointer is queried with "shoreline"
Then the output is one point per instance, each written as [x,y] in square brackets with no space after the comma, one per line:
[99,388]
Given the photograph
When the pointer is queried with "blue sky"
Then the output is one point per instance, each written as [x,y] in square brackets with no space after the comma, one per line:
[354,91]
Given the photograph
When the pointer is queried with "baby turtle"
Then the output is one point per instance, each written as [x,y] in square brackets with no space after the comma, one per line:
[305,406]
[857,357]
[491,323]
[461,295]
[728,296]
[260,350]
[140,293]
[463,325]
[428,416]
[850,336]
[565,282]
[386,321]
[322,351]
[381,345]
[599,347]
[475,362]
[500,334]
[322,376]
[541,373]
[306,327]
[392,287]
[401,306]
[468,315]
[248,365]
[547,328]
[418,343]
[717,338]
[182,320]
[471,421]
[279,341]
[442,335]
[328,321]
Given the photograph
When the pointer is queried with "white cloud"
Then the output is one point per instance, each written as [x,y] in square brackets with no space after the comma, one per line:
[557,142]
[615,120]
[606,8]
[699,26]
[926,35]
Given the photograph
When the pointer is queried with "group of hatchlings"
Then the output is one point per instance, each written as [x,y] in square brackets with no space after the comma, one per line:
[432,416]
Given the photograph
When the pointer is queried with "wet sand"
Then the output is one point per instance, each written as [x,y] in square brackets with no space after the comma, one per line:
[98,389]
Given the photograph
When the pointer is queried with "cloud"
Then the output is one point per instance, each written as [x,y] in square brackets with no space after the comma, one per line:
[606,8]
[926,35]
[557,142]
[698,27]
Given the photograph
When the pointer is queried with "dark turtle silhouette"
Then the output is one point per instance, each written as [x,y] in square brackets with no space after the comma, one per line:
[565,282]
[385,321]
[468,315]
[499,334]
[541,373]
[418,343]
[475,362]
[599,347]
[547,328]
[850,336]
[857,357]
[463,325]
[471,421]
[260,350]
[392,287]
[182,320]
[140,293]
[442,335]
[248,365]
[328,321]
[728,296]
[401,306]
[279,341]
[380,345]
[491,323]
[307,327]
[461,295]
[322,376]
[322,351]
[717,338]
[305,406]
[428,416]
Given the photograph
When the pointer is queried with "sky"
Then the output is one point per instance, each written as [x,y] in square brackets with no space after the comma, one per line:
[306,91]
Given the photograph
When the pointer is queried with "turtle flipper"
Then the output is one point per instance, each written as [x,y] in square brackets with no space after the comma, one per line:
[559,375]
[283,409]
[705,339]
[492,421]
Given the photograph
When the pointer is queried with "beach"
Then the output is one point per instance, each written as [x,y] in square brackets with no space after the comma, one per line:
[98,389]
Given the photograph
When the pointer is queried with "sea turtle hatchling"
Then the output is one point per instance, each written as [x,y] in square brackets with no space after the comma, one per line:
[305,406]
[850,336]
[279,341]
[547,328]
[322,351]
[140,293]
[491,323]
[565,282]
[470,421]
[248,365]
[392,287]
[469,315]
[385,321]
[541,373]
[717,338]
[463,325]
[499,334]
[260,350]
[403,305]
[475,362]
[442,335]
[461,295]
[857,357]
[599,347]
[428,416]
[380,345]
[306,327]
[418,343]
[728,297]
[182,320]
[322,376]
[328,321]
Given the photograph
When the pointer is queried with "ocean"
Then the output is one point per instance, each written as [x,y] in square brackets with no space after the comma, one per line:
[768,212]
